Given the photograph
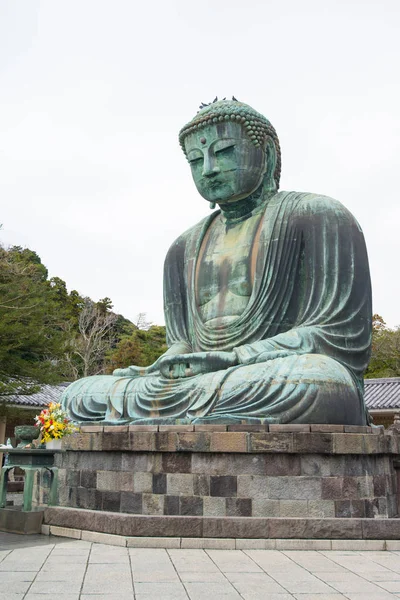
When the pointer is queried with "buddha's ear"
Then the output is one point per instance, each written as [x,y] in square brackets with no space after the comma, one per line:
[270,160]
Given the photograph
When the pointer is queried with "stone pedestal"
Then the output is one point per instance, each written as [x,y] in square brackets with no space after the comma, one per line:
[13,520]
[245,474]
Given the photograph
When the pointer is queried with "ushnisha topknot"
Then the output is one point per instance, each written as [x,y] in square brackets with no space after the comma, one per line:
[255,125]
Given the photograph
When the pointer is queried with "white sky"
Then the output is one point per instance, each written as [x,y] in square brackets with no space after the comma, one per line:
[93,94]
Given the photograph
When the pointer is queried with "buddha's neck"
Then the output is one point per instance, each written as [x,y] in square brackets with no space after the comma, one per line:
[243,209]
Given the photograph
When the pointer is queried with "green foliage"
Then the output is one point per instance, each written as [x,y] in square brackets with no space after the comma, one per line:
[48,335]
[30,338]
[140,348]
[385,357]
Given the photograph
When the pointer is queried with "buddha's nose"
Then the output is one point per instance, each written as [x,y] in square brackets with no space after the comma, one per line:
[210,167]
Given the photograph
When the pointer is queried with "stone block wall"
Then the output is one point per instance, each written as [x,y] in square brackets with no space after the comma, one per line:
[291,471]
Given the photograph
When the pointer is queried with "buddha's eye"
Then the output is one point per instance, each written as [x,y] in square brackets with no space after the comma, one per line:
[225,151]
[195,161]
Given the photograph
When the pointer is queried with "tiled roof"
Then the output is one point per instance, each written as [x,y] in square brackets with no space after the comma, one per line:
[382,393]
[47,393]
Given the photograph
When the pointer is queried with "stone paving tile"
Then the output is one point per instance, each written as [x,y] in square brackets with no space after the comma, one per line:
[204,575]
[56,588]
[14,587]
[13,540]
[114,596]
[121,574]
[72,559]
[109,560]
[160,590]
[319,596]
[352,587]
[63,567]
[9,565]
[128,596]
[233,561]
[205,591]
[313,561]
[108,583]
[155,576]
[255,584]
[260,577]
[267,596]
[50,596]
[61,575]
[101,556]
[152,565]
[17,576]
[367,596]
[390,586]
[382,576]
[109,550]
[62,542]
[387,560]
[270,559]
[332,553]
[314,586]
[341,576]
[200,577]
[75,551]
[26,553]
[359,563]
[292,574]
[100,569]
[192,560]
[107,587]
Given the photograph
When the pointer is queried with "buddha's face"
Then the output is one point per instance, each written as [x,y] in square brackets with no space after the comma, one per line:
[226,166]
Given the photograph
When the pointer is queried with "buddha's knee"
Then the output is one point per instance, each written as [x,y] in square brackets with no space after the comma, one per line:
[336,397]
[321,369]
[90,392]
[296,369]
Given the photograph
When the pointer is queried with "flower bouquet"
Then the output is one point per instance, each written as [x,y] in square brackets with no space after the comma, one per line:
[54,424]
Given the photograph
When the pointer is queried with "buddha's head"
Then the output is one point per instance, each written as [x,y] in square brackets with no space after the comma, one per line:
[233,151]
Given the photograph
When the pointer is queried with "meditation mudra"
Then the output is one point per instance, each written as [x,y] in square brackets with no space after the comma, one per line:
[267,301]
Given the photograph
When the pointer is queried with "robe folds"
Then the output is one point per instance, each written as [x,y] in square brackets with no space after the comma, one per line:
[302,343]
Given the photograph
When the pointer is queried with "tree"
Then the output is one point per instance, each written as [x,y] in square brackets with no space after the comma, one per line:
[142,322]
[30,339]
[140,348]
[94,337]
[48,335]
[385,356]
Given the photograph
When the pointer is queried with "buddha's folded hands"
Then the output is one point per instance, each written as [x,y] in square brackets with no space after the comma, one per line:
[196,363]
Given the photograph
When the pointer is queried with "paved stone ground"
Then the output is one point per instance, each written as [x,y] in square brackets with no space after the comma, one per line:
[43,568]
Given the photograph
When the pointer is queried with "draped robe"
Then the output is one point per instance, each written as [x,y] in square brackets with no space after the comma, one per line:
[302,343]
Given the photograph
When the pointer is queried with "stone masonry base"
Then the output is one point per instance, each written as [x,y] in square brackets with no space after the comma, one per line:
[234,483]
[287,472]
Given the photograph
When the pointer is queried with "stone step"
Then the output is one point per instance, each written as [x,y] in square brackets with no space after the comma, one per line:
[123,524]
[220,543]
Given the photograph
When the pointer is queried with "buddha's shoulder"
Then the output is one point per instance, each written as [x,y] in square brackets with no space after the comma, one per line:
[190,235]
[306,204]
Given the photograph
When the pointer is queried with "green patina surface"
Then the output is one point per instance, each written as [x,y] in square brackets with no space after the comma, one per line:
[267,301]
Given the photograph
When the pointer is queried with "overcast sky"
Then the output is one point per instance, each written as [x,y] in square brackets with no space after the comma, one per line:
[93,94]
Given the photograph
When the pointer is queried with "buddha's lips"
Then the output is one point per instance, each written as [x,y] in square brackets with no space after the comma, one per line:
[213,183]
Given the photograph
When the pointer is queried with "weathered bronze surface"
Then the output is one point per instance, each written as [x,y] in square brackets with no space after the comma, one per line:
[267,301]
